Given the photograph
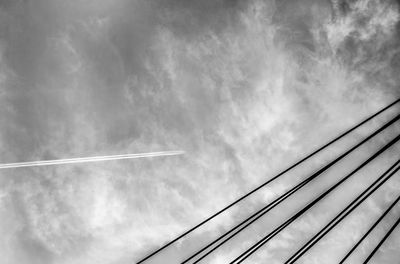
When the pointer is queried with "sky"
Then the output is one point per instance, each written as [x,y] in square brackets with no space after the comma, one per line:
[244,88]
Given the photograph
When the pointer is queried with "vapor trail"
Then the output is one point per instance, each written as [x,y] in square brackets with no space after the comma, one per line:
[89,159]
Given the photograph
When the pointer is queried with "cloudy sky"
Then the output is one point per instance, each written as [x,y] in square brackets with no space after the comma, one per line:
[243,87]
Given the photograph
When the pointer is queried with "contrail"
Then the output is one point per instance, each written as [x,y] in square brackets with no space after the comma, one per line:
[89,159]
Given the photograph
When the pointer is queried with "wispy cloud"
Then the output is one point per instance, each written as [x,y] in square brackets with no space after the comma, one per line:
[244,87]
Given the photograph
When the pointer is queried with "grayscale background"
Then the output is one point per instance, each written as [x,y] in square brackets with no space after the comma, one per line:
[243,87]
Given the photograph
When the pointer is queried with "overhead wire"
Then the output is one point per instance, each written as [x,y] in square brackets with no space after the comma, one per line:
[268,181]
[369,230]
[269,236]
[345,212]
[382,241]
[257,215]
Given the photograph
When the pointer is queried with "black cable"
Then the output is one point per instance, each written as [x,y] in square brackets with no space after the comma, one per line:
[265,239]
[382,241]
[369,230]
[345,212]
[280,199]
[269,181]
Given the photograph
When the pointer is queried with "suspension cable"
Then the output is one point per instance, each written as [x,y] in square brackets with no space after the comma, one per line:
[345,212]
[257,215]
[382,241]
[268,237]
[369,230]
[269,181]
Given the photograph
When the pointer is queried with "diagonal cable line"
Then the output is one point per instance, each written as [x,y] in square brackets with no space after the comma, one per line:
[345,212]
[254,217]
[382,241]
[369,230]
[269,181]
[269,236]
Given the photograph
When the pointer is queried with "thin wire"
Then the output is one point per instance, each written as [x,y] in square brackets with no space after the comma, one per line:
[369,230]
[267,182]
[382,241]
[345,212]
[268,237]
[254,217]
